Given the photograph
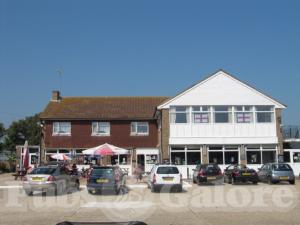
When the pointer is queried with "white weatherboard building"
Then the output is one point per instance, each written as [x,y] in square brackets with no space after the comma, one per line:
[221,120]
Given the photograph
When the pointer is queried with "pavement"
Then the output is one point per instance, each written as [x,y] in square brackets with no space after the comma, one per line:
[208,205]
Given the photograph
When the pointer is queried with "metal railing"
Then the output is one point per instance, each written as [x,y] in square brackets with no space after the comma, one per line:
[291,132]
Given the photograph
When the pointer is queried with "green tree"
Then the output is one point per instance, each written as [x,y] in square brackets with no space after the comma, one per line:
[21,130]
[2,133]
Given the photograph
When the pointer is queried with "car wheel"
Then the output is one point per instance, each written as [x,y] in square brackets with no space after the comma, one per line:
[270,181]
[254,182]
[292,182]
[77,185]
[29,193]
[194,181]
[229,180]
[153,189]
[233,181]
[117,191]
[90,192]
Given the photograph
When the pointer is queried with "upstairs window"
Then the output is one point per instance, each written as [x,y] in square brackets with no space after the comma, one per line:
[139,128]
[62,128]
[264,114]
[222,114]
[201,114]
[243,114]
[101,128]
[179,114]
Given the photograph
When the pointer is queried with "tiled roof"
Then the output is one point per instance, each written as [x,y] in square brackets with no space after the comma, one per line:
[102,108]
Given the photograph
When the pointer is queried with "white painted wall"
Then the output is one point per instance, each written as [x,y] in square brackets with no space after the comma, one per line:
[223,133]
[221,89]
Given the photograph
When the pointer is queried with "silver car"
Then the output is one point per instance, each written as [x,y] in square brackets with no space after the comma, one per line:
[276,172]
[56,179]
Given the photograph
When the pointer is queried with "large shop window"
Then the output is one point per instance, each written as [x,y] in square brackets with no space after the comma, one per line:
[140,128]
[296,157]
[231,157]
[222,114]
[178,158]
[179,114]
[269,156]
[201,114]
[243,114]
[62,128]
[193,158]
[253,157]
[264,114]
[101,128]
[216,157]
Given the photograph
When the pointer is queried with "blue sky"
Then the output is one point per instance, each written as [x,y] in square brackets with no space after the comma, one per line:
[140,47]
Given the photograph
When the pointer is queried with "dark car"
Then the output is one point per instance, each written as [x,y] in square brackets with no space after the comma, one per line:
[276,172]
[208,173]
[240,173]
[103,178]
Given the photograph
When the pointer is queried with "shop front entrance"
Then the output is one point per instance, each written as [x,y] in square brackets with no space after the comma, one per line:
[147,158]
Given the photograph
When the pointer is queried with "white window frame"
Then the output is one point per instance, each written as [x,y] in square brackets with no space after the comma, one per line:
[185,150]
[136,132]
[173,113]
[223,151]
[201,111]
[229,111]
[272,111]
[98,124]
[244,111]
[261,149]
[59,133]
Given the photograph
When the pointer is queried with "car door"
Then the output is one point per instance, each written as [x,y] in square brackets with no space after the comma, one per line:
[262,173]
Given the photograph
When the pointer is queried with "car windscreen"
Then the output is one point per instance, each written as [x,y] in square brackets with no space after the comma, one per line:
[167,170]
[211,168]
[281,167]
[43,170]
[103,172]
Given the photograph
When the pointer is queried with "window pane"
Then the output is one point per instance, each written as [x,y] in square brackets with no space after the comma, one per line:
[178,158]
[222,117]
[264,108]
[215,157]
[286,157]
[205,108]
[196,108]
[253,147]
[221,108]
[181,118]
[133,127]
[253,157]
[215,147]
[239,108]
[242,117]
[181,108]
[248,108]
[296,157]
[142,128]
[268,156]
[200,117]
[231,157]
[55,127]
[193,158]
[177,148]
[104,128]
[264,117]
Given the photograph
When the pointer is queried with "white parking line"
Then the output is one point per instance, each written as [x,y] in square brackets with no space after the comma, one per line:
[118,205]
[10,187]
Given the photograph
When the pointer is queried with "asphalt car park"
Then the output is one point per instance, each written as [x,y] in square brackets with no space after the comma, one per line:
[225,203]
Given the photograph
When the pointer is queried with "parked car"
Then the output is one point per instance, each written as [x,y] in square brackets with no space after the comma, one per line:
[55,178]
[167,177]
[103,178]
[240,173]
[276,172]
[208,173]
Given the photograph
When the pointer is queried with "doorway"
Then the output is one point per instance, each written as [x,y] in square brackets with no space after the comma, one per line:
[141,161]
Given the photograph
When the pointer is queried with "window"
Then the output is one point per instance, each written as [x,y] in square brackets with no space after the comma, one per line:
[139,128]
[179,114]
[243,114]
[264,114]
[62,128]
[222,114]
[201,114]
[268,156]
[253,157]
[231,157]
[178,158]
[101,128]
[216,157]
[286,156]
[193,158]
[296,157]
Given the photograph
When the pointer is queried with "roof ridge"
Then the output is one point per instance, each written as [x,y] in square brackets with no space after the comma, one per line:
[116,97]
